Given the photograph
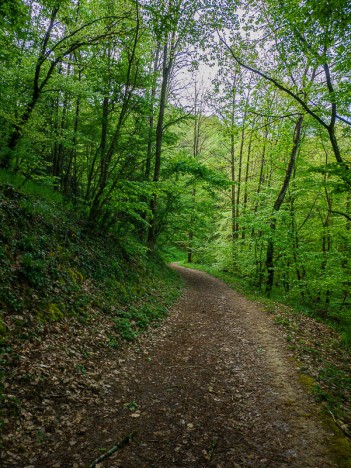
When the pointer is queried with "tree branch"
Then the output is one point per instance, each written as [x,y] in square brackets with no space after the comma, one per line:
[343,119]
[78,30]
[276,83]
[341,214]
[114,449]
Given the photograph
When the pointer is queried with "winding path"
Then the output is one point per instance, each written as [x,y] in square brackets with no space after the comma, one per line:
[212,386]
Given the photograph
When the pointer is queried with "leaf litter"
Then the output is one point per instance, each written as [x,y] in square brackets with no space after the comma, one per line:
[215,385]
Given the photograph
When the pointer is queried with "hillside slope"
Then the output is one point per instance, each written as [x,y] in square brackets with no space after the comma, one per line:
[66,296]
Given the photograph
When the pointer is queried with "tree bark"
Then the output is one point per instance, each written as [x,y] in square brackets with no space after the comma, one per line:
[150,143]
[167,64]
[17,128]
[277,204]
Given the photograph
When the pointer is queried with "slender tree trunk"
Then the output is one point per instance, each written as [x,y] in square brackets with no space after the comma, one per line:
[240,168]
[103,163]
[232,167]
[237,214]
[107,151]
[257,237]
[190,250]
[68,186]
[233,191]
[151,137]
[36,89]
[277,204]
[196,144]
[150,144]
[247,172]
[326,243]
[191,232]
[59,161]
[262,168]
[166,72]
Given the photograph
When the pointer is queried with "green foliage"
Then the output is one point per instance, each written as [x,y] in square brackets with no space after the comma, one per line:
[330,375]
[51,269]
[132,406]
[33,270]
[78,114]
[125,329]
[200,172]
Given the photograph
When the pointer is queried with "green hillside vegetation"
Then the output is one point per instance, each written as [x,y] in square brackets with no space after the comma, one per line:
[53,270]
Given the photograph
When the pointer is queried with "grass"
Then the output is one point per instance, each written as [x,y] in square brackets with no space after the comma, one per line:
[340,321]
[235,282]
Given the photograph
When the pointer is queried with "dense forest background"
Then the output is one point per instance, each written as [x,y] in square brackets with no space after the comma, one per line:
[216,131]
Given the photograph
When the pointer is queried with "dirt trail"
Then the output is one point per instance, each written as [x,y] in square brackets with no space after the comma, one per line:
[213,386]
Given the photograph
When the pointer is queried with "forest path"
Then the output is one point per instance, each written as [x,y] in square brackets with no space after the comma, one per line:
[212,386]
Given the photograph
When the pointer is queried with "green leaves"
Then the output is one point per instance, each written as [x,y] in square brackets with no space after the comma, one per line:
[339,176]
[200,172]
[13,13]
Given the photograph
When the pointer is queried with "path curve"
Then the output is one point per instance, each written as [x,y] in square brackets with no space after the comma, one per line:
[212,386]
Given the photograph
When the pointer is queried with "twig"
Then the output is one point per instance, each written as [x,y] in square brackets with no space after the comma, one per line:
[114,449]
[331,415]
[7,326]
[185,367]
[340,426]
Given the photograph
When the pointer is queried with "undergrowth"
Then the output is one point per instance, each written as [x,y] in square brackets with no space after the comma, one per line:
[52,269]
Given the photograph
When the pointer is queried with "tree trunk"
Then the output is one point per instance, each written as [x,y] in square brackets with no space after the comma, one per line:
[232,167]
[247,179]
[166,71]
[150,143]
[69,181]
[277,204]
[36,89]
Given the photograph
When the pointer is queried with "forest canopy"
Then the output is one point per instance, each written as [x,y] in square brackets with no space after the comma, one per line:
[221,129]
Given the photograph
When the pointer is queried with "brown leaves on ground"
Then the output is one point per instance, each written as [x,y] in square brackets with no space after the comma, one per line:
[51,376]
[212,386]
